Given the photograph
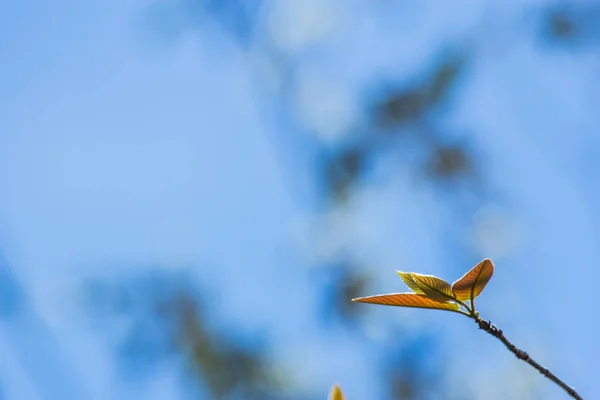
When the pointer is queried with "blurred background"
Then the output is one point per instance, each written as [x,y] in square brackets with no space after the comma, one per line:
[191,192]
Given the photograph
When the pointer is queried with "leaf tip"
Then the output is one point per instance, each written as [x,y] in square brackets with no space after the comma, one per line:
[404,275]
[336,393]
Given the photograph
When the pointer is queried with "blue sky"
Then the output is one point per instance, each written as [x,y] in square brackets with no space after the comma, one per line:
[119,149]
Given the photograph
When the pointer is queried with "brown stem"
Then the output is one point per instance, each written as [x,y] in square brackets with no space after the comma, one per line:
[497,333]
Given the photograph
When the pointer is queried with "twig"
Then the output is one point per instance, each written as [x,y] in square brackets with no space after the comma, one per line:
[497,333]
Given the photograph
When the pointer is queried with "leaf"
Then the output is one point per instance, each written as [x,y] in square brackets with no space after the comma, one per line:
[336,393]
[434,287]
[410,282]
[413,300]
[472,283]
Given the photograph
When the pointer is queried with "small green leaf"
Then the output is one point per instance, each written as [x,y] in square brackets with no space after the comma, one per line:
[410,282]
[472,283]
[413,300]
[434,287]
[336,393]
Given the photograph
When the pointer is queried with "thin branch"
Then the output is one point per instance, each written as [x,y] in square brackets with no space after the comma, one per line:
[497,333]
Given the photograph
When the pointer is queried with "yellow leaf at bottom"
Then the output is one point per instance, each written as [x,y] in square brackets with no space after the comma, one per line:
[336,393]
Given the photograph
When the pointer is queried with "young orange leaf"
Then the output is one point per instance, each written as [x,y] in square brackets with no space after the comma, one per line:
[336,393]
[407,300]
[410,282]
[434,287]
[472,283]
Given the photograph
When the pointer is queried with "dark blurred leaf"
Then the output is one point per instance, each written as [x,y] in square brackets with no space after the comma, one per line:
[400,108]
[575,24]
[407,106]
[342,282]
[342,171]
[562,25]
[350,287]
[449,161]
[409,371]
[444,78]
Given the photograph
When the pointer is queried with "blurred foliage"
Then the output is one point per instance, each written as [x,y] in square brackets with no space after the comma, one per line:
[340,283]
[167,318]
[342,170]
[401,107]
[172,319]
[222,363]
[573,24]
[408,374]
[401,113]
[561,25]
[448,161]
[405,111]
